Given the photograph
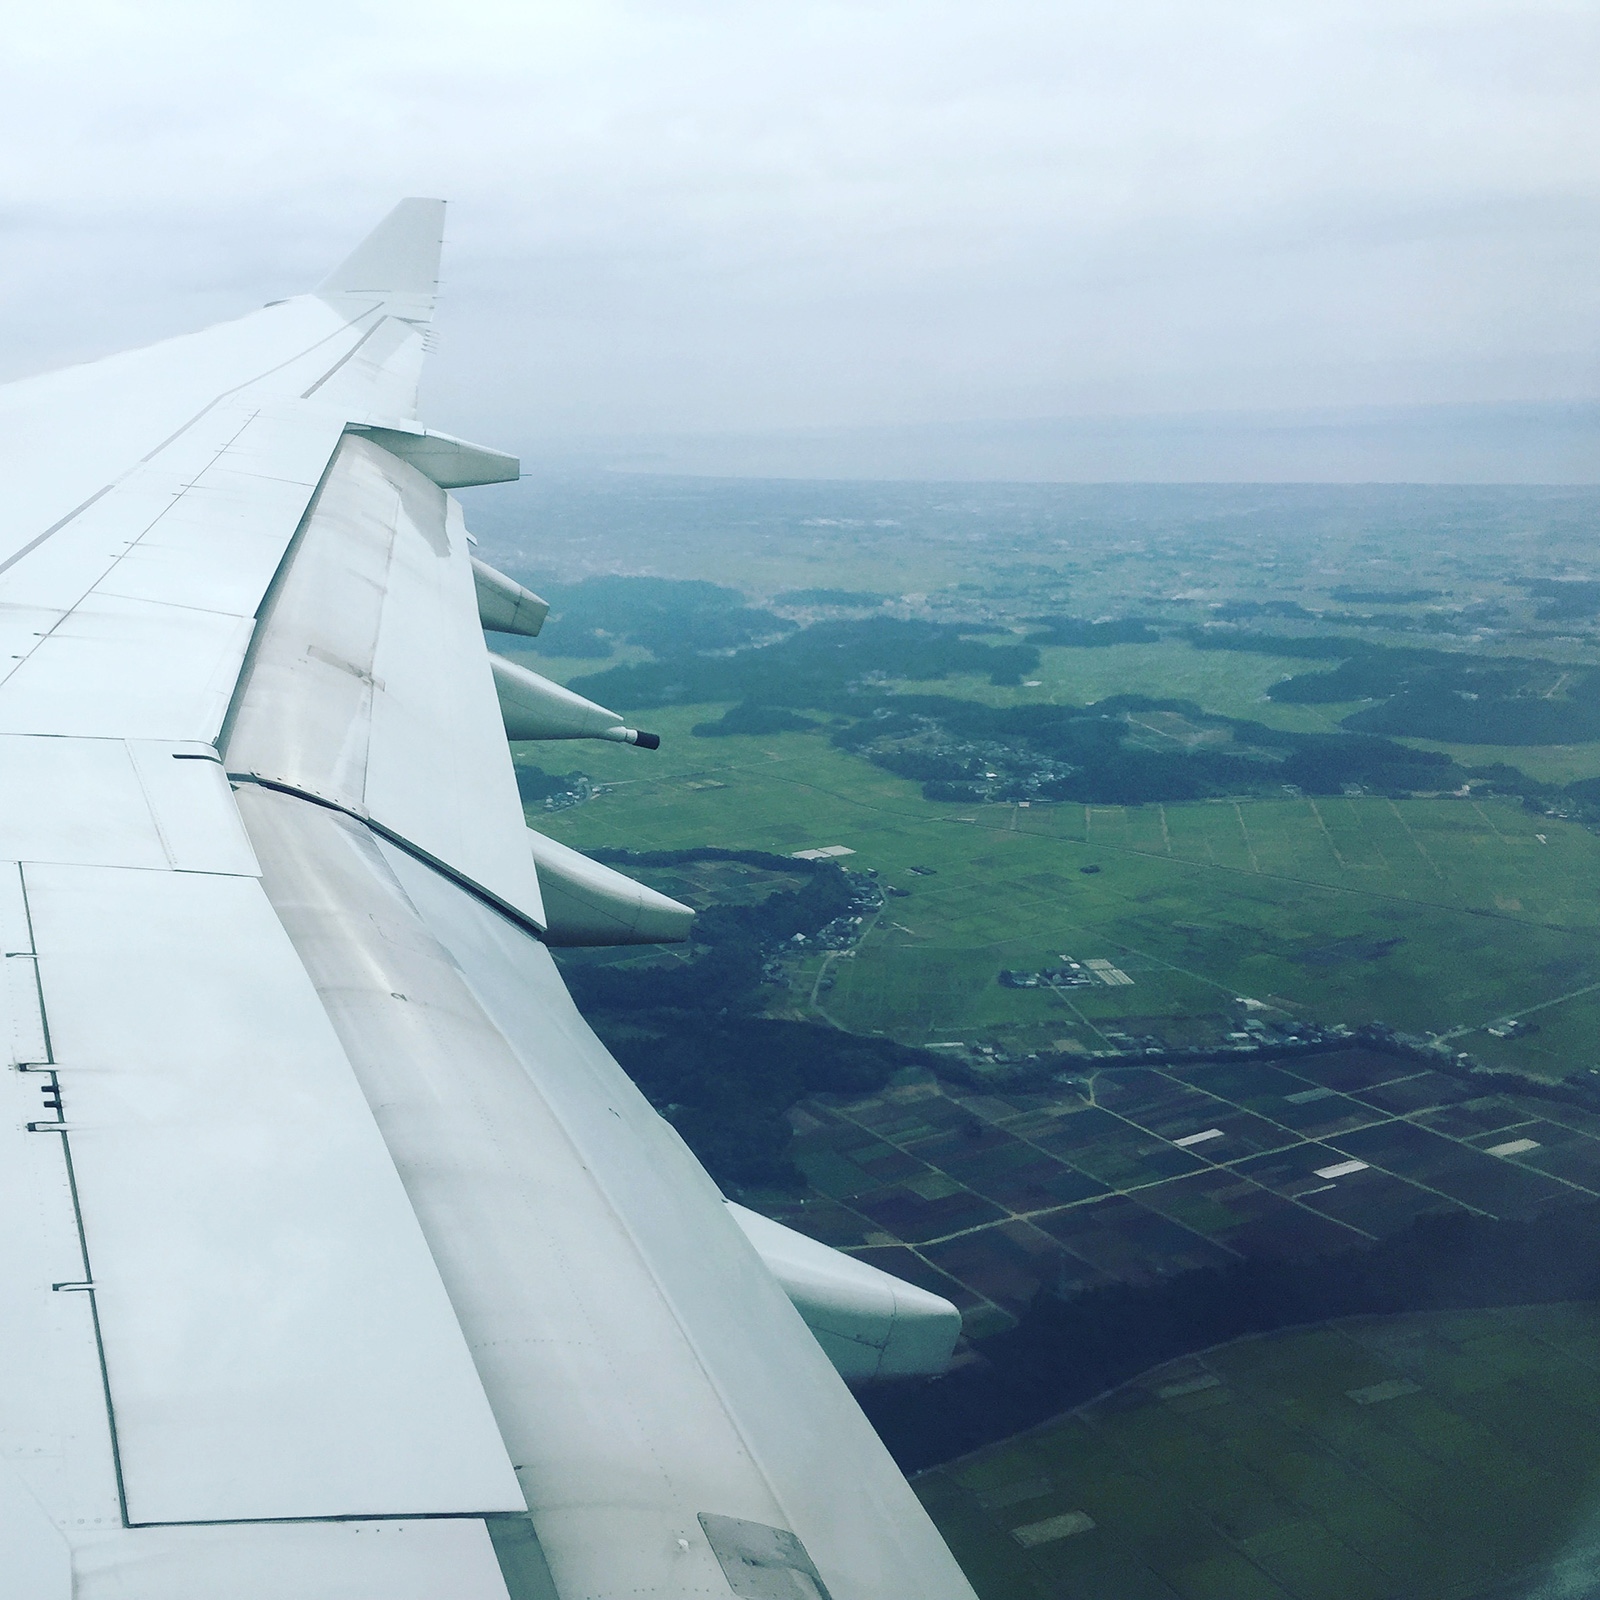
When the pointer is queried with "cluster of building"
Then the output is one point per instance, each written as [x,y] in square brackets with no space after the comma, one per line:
[1510,1028]
[1254,1037]
[839,934]
[865,898]
[1070,975]
[1005,772]
[983,769]
[581,789]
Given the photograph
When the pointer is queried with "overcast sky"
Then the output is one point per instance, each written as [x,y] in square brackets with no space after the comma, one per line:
[688,215]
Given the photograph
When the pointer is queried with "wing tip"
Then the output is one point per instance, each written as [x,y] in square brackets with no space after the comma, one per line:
[399,257]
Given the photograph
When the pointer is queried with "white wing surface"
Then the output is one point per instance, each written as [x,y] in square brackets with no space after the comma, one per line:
[341,1259]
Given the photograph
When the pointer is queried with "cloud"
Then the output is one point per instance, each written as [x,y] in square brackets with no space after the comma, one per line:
[693,215]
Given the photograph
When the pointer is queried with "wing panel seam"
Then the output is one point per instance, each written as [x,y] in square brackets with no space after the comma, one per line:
[178,433]
[400,842]
[88,1283]
[347,356]
[107,574]
[56,527]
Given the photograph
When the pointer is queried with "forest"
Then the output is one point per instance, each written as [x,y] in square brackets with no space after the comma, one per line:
[1432,694]
[589,619]
[839,599]
[1049,752]
[824,666]
[1076,632]
[1564,599]
[688,1035]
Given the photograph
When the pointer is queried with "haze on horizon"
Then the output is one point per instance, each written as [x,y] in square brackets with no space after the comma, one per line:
[685,231]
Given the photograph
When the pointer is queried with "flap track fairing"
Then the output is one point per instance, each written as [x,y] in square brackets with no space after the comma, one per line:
[535,708]
[504,606]
[450,462]
[871,1325]
[586,903]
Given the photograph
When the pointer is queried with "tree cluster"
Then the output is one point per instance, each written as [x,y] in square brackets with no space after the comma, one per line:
[726,1081]
[1077,632]
[839,599]
[687,1032]
[1564,599]
[818,667]
[1086,755]
[666,616]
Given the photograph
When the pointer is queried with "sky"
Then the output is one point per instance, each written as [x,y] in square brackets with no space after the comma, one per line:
[696,219]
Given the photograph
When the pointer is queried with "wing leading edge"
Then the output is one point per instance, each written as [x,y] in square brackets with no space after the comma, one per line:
[344,1215]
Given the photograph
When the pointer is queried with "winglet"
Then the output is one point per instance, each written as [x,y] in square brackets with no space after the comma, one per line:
[398,260]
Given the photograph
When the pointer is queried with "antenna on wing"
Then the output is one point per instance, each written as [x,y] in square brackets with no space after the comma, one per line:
[397,261]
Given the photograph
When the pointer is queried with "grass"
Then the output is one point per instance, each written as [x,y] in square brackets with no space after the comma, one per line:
[1430,914]
[1549,763]
[1230,682]
[1255,1470]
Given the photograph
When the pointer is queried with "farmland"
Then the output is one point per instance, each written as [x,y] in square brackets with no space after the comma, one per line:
[1441,1456]
[988,1196]
[1018,1169]
[1433,914]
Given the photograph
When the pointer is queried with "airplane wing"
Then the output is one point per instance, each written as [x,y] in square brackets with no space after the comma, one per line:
[342,1261]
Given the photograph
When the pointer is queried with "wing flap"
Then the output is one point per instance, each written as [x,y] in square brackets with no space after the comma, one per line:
[369,685]
[644,1365]
[54,1432]
[587,903]
[388,1560]
[782,1443]
[450,462]
[277,1342]
[504,605]
[152,805]
[870,1324]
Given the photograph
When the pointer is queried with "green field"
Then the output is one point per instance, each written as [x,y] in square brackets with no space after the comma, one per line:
[1435,1457]
[1229,682]
[1549,763]
[1234,684]
[1433,915]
